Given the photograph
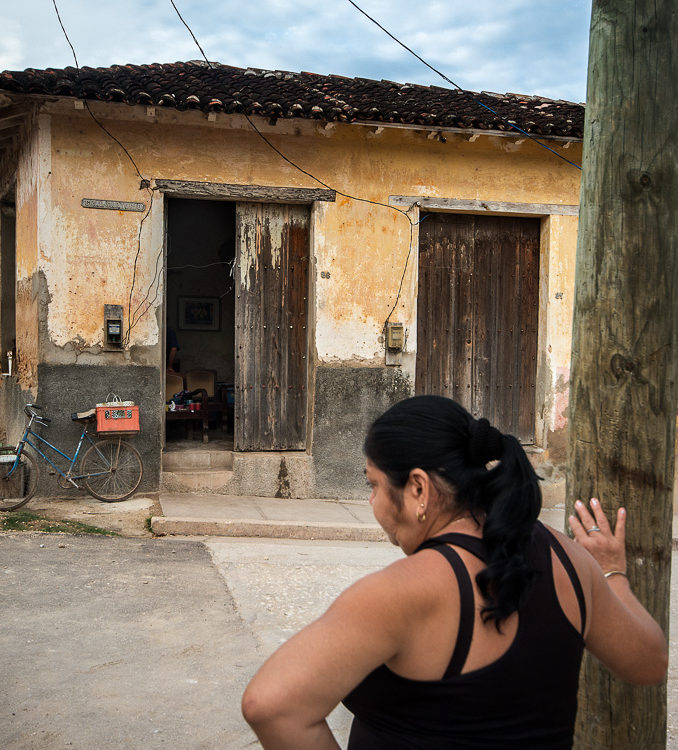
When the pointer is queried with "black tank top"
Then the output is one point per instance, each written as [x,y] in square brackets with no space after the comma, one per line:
[526,699]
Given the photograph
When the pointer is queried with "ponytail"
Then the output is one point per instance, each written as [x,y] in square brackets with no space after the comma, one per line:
[439,436]
[513,502]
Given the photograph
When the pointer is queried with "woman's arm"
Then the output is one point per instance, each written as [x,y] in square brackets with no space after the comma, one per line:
[621,632]
[298,686]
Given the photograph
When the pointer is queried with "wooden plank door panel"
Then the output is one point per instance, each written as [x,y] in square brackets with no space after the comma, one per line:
[495,243]
[484,302]
[271,278]
[477,315]
[461,330]
[433,312]
[444,312]
[529,328]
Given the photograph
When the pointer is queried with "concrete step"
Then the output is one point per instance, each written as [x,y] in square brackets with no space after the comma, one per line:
[260,528]
[189,514]
[186,460]
[271,517]
[204,481]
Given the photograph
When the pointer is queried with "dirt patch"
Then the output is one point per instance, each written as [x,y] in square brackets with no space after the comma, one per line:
[127,518]
[24,520]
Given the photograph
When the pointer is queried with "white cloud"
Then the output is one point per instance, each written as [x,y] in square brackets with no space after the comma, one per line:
[516,45]
[11,43]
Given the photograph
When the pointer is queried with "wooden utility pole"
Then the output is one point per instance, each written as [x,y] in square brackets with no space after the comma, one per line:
[624,378]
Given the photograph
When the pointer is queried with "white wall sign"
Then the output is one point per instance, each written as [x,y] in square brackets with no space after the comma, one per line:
[112,205]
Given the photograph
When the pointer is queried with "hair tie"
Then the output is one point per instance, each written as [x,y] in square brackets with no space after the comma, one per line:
[486,442]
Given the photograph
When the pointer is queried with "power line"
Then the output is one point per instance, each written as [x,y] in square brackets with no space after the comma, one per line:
[190,32]
[317,179]
[312,176]
[457,86]
[144,184]
[85,102]
[61,23]
[275,148]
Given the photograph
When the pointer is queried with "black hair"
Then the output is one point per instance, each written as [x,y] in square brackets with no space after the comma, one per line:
[439,436]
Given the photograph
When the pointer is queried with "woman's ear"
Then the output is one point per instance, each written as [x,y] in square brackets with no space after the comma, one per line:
[419,485]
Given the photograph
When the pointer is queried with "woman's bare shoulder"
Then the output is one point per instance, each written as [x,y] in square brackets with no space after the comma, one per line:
[583,561]
[410,584]
[577,553]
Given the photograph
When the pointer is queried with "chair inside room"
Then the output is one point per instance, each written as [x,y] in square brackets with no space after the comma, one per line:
[216,399]
[175,383]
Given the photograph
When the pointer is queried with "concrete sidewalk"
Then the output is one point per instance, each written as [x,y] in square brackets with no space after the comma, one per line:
[277,518]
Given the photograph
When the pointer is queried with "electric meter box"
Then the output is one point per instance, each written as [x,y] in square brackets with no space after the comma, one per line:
[113,328]
[395,336]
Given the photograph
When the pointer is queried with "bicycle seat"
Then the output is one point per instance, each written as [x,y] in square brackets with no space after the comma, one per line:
[84,416]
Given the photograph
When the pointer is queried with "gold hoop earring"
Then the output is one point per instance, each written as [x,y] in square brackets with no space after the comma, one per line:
[421,517]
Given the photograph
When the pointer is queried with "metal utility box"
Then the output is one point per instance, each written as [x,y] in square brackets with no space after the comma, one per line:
[395,336]
[113,327]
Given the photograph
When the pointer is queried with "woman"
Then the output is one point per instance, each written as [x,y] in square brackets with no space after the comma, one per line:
[474,639]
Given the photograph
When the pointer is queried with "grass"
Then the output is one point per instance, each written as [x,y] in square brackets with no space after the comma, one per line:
[23,520]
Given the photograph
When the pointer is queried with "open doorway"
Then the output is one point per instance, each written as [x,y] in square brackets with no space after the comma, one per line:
[199,317]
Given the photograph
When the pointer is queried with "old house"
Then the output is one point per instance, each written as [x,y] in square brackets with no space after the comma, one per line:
[281,224]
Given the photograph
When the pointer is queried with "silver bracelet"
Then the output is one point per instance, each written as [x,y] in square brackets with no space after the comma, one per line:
[615,573]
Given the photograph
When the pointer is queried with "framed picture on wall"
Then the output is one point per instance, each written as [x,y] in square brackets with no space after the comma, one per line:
[199,314]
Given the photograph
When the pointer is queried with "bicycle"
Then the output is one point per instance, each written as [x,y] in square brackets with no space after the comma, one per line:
[111,468]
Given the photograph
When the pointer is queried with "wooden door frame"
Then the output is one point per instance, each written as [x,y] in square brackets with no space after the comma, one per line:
[544,211]
[170,188]
[272,369]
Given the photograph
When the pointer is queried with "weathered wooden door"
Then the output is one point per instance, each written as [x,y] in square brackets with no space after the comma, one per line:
[271,282]
[477,316]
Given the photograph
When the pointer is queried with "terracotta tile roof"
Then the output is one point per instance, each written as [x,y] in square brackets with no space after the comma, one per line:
[276,93]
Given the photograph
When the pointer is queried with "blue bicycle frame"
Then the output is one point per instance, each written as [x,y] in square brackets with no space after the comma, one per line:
[67,476]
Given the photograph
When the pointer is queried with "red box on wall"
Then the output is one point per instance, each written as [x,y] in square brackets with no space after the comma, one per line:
[117,418]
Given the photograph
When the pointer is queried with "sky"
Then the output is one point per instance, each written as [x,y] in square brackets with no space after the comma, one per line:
[519,46]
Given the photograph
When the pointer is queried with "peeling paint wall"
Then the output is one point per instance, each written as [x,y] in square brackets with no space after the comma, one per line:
[90,257]
[31,179]
[360,248]
[562,241]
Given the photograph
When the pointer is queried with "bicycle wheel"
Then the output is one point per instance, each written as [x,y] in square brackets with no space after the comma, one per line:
[17,487]
[112,469]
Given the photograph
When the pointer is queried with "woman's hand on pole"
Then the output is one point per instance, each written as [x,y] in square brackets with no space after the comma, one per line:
[620,631]
[592,530]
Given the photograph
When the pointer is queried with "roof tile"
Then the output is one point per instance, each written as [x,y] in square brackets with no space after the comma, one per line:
[278,93]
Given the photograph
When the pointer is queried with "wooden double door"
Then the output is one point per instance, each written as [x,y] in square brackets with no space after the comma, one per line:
[271,312]
[477,316]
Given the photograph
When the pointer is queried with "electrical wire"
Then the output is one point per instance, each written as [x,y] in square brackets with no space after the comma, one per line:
[85,102]
[155,281]
[190,32]
[413,224]
[317,179]
[458,87]
[145,183]
[61,23]
[275,148]
[402,278]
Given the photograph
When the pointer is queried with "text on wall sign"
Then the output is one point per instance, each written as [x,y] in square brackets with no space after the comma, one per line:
[113,205]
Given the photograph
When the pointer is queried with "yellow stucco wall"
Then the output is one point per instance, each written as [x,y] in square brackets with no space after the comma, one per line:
[30,192]
[360,247]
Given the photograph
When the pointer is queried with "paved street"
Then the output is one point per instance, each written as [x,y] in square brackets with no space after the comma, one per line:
[114,642]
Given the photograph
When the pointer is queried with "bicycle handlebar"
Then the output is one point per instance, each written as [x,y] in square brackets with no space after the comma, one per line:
[28,410]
